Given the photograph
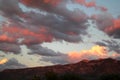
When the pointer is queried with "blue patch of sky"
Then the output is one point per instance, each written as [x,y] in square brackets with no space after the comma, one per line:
[88,11]
[112,5]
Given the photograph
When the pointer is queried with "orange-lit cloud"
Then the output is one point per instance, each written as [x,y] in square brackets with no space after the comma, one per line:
[96,52]
[115,55]
[108,24]
[5,38]
[10,64]
[28,35]
[91,4]
[114,27]
[3,61]
[53,2]
[37,2]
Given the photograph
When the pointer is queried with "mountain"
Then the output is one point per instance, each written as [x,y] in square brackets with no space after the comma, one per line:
[85,68]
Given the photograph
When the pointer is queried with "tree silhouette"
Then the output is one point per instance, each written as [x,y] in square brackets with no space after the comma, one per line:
[71,76]
[110,77]
[51,76]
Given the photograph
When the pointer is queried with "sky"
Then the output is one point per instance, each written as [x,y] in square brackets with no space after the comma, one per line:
[49,32]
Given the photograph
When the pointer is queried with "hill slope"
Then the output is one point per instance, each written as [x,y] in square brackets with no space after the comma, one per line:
[93,67]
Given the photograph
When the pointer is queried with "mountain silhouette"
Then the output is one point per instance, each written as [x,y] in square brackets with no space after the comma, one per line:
[85,68]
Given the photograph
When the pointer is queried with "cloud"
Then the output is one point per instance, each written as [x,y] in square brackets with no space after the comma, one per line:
[10,9]
[8,47]
[74,20]
[94,53]
[11,64]
[39,50]
[90,4]
[103,20]
[3,61]
[59,5]
[47,21]
[60,27]
[108,24]
[28,36]
[48,55]
[5,38]
[114,30]
[112,45]
[56,60]
[60,10]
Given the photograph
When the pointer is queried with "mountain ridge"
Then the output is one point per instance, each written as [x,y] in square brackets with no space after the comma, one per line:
[85,67]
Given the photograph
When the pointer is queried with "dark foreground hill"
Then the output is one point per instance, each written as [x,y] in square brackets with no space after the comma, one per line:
[102,69]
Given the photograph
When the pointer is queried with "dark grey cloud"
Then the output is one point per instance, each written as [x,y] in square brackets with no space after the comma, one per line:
[12,64]
[59,26]
[108,24]
[111,44]
[44,23]
[56,60]
[10,9]
[59,35]
[39,50]
[55,7]
[59,20]
[67,28]
[115,33]
[8,47]
[103,20]
[48,55]
[101,43]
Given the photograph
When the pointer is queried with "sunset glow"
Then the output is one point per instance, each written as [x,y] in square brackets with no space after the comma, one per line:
[3,61]
[95,51]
